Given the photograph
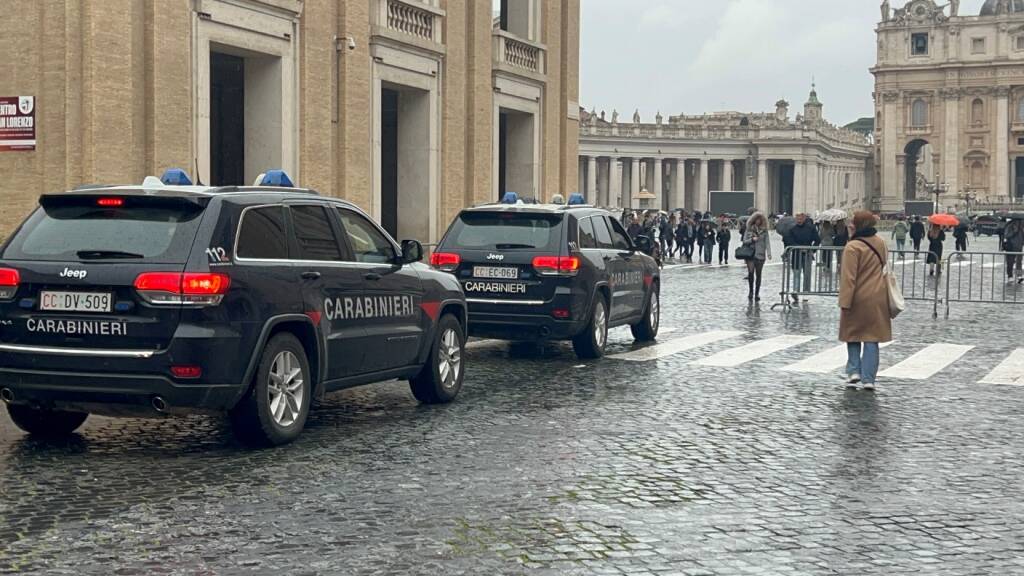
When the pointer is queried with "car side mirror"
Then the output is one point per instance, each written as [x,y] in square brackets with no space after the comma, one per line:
[412,251]
[642,243]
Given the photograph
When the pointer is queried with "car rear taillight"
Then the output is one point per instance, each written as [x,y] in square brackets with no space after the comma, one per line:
[445,262]
[110,202]
[193,289]
[556,265]
[10,279]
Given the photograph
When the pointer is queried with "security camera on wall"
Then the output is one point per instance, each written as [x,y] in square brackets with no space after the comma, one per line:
[351,43]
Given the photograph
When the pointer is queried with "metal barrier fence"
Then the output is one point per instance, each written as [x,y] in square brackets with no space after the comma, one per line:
[815,271]
[984,278]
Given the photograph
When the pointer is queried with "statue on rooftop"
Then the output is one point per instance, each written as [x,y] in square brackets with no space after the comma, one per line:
[636,116]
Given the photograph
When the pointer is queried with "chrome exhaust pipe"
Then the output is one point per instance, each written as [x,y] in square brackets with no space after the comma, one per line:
[159,405]
[7,395]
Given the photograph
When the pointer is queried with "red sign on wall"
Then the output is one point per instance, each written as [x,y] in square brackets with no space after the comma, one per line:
[17,123]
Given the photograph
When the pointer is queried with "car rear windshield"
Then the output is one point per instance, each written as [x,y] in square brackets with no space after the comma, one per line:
[80,229]
[505,231]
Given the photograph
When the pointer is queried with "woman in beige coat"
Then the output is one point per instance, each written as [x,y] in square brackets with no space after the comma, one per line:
[864,320]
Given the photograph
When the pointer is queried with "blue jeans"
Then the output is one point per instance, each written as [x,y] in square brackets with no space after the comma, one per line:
[866,366]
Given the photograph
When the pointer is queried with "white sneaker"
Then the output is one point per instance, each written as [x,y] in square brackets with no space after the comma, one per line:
[869,386]
[854,378]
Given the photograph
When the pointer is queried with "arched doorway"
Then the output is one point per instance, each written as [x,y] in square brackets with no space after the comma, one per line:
[918,161]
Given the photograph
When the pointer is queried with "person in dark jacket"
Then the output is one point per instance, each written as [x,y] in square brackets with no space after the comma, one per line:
[724,237]
[706,237]
[804,234]
[686,233]
[666,236]
[1011,240]
[936,236]
[960,234]
[634,228]
[917,233]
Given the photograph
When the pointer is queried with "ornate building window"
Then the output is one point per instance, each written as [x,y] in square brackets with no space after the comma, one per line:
[978,111]
[977,174]
[919,113]
[977,45]
[1020,110]
[1019,43]
[919,44]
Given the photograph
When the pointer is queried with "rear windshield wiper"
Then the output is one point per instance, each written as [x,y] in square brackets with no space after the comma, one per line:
[102,254]
[514,246]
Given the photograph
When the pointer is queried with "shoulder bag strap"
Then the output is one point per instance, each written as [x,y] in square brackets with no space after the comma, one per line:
[868,244]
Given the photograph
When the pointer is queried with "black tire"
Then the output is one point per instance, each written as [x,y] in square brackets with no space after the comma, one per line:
[45,423]
[254,420]
[590,343]
[441,378]
[646,330]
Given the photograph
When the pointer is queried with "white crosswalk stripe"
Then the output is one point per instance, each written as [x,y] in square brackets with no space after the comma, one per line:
[927,363]
[824,362]
[1010,372]
[753,351]
[676,346]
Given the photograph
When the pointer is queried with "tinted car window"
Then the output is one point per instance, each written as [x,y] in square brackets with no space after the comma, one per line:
[604,237]
[263,234]
[368,244]
[314,234]
[505,231]
[619,239]
[587,237]
[68,228]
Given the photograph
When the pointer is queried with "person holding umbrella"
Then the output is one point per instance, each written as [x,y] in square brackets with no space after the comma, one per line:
[936,237]
[864,320]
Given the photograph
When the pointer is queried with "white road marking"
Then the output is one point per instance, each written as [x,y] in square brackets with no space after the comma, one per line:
[927,363]
[753,351]
[824,362]
[1010,372]
[676,346]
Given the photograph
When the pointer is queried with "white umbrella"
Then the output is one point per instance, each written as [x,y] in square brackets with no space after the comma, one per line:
[833,215]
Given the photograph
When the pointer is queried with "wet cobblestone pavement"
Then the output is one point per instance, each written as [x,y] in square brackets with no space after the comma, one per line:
[546,465]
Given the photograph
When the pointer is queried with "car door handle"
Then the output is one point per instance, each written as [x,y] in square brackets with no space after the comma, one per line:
[311,275]
[372,276]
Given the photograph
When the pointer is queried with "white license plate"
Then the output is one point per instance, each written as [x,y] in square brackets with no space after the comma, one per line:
[75,301]
[499,272]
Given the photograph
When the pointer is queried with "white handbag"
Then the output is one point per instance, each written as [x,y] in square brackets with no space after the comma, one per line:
[897,304]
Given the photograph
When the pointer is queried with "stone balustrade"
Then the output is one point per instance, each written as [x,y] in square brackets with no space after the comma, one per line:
[411,17]
[768,129]
[518,53]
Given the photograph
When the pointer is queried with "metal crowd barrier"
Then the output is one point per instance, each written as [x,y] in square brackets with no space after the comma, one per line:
[984,278]
[815,271]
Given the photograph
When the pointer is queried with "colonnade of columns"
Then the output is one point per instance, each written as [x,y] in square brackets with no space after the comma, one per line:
[790,185]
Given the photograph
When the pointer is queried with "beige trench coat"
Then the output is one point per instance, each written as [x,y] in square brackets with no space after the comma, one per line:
[863,294]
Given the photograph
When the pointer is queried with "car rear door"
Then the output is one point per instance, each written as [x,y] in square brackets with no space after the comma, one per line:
[628,280]
[329,284]
[70,277]
[389,303]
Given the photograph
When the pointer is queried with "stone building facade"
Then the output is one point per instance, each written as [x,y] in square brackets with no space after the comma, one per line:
[791,165]
[411,108]
[949,103]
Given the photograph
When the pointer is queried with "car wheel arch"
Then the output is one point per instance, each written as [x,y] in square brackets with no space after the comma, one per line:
[300,326]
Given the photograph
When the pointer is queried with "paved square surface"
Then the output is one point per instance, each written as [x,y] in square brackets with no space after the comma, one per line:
[729,447]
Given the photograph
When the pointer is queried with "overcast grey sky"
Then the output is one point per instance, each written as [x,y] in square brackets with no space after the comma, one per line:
[697,56]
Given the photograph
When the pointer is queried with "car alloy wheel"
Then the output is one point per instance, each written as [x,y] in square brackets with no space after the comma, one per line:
[655,311]
[449,359]
[600,326]
[286,388]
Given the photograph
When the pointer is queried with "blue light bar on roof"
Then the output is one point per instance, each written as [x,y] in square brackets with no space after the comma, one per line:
[277,178]
[176,177]
[510,198]
[577,199]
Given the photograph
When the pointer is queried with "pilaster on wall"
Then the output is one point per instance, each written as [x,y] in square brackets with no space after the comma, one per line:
[355,93]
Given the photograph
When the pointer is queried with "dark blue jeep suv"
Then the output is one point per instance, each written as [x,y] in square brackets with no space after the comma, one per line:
[158,299]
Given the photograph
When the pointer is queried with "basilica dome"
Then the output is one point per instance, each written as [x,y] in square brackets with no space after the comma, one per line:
[989,9]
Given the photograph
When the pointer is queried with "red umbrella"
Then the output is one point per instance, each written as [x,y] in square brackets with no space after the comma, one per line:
[944,220]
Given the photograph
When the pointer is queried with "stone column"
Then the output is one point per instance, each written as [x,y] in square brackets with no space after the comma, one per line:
[811,184]
[614,182]
[659,179]
[799,186]
[892,176]
[951,152]
[591,193]
[727,178]
[603,185]
[762,186]
[1002,134]
[634,180]
[702,186]
[679,185]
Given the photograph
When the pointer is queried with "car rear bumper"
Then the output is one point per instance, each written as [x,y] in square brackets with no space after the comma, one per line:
[115,394]
[522,327]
